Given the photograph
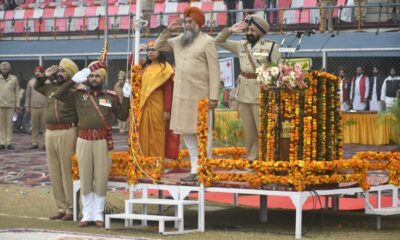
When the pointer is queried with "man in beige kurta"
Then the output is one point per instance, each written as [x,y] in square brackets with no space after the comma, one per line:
[252,52]
[9,102]
[196,76]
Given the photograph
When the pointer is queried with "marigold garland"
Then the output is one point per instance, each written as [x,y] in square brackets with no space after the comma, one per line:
[301,108]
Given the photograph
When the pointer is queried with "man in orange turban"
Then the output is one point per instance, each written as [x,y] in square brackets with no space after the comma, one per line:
[196,14]
[197,76]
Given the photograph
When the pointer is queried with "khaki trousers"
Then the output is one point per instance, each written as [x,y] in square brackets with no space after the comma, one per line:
[6,127]
[38,122]
[249,114]
[60,146]
[94,166]
[326,14]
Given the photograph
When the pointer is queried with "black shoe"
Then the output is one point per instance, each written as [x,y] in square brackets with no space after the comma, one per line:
[10,147]
[2,147]
[192,177]
[34,147]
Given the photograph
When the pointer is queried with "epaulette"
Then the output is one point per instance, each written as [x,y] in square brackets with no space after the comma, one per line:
[111,92]
[80,87]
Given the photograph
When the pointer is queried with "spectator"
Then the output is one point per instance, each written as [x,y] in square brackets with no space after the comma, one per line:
[231,5]
[147,10]
[36,104]
[344,90]
[248,4]
[268,5]
[390,87]
[374,95]
[359,90]
[326,14]
[9,104]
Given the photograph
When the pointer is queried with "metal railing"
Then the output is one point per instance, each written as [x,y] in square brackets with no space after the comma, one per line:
[288,19]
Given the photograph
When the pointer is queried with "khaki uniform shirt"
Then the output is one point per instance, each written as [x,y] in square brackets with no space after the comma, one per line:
[264,52]
[9,91]
[34,99]
[107,101]
[57,112]
[197,76]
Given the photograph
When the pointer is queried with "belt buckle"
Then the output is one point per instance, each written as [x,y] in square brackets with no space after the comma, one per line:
[95,133]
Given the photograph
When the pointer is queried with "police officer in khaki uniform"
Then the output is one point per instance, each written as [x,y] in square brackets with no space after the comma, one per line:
[122,125]
[9,102]
[95,107]
[252,51]
[60,136]
[36,105]
[326,14]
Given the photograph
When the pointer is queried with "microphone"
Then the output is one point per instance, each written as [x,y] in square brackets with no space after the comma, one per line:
[305,33]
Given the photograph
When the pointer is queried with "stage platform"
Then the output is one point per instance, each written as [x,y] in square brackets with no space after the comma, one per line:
[179,191]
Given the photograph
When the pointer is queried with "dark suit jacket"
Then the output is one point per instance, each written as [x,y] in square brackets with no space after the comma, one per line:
[379,82]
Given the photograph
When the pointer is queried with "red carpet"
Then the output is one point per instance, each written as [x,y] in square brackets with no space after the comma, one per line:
[286,203]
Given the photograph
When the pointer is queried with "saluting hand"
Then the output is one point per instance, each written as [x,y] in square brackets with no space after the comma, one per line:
[81,76]
[126,90]
[175,24]
[238,27]
[51,71]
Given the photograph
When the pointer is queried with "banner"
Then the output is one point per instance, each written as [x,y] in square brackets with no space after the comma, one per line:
[227,72]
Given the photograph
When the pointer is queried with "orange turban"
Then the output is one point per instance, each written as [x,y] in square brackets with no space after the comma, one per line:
[196,14]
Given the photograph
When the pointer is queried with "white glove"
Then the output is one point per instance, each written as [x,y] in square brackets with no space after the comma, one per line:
[126,90]
[81,76]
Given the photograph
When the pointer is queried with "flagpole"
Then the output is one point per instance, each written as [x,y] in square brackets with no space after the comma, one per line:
[137,30]
[106,24]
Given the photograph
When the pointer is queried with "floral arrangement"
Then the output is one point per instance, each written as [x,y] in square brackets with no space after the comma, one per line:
[281,76]
[312,110]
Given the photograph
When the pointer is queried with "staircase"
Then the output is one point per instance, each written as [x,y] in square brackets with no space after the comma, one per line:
[178,201]
[380,211]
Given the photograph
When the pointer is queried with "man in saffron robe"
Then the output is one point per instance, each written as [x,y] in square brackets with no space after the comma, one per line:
[155,102]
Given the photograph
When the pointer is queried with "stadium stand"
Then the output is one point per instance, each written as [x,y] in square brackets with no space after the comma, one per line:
[61,16]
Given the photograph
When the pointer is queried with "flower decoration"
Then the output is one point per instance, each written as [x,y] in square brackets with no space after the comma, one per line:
[281,76]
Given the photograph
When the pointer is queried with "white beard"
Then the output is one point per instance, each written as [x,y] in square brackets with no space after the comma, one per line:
[189,35]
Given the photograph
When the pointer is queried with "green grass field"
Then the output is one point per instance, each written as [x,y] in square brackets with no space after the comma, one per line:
[22,207]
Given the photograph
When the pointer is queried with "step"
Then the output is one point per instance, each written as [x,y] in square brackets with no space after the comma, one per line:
[143,217]
[161,201]
[383,211]
[160,219]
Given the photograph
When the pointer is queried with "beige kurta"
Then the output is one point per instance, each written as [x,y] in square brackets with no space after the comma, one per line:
[196,76]
[263,52]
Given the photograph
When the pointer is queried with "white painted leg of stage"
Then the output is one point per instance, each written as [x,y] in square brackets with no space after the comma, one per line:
[76,186]
[395,199]
[144,206]
[160,196]
[235,199]
[298,199]
[201,209]
[128,209]
[263,208]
